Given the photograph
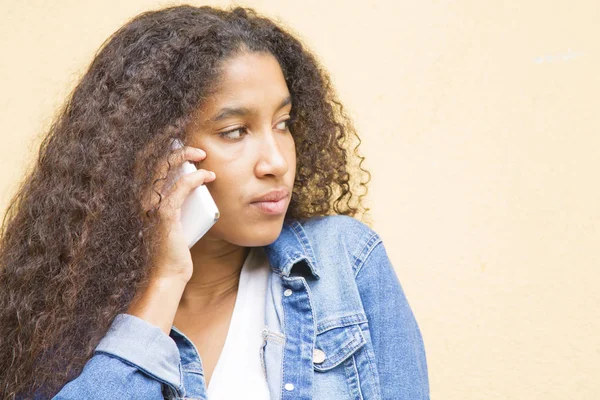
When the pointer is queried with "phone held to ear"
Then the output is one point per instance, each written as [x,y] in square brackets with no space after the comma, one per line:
[199,211]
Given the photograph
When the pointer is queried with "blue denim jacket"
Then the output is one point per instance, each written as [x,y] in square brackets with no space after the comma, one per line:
[332,288]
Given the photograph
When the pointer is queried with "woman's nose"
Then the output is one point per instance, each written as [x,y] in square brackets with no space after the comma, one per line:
[271,154]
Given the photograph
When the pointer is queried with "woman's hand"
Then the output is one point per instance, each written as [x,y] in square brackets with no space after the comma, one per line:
[173,258]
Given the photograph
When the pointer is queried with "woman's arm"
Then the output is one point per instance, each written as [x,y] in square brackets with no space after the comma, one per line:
[108,377]
[136,355]
[398,345]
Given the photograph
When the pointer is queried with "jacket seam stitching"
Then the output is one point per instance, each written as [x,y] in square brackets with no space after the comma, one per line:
[372,243]
[371,360]
[357,376]
[354,319]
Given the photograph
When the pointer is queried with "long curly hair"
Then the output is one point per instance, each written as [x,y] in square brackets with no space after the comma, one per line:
[76,242]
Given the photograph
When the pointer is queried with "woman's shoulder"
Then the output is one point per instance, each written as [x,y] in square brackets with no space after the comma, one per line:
[340,237]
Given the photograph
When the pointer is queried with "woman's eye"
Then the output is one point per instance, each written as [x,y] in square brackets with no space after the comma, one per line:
[238,133]
[283,125]
[234,137]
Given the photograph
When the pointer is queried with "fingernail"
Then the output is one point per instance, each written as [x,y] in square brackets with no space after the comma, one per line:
[213,174]
[201,152]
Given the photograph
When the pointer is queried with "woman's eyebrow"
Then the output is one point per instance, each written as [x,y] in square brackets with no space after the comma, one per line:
[284,102]
[227,112]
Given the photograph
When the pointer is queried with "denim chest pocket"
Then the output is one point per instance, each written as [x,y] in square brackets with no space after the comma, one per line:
[335,345]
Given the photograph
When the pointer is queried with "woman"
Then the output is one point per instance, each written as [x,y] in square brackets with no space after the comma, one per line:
[100,296]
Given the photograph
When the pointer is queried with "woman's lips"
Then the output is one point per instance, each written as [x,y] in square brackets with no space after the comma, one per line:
[272,207]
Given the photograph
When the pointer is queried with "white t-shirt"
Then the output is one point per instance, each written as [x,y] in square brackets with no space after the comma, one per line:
[238,373]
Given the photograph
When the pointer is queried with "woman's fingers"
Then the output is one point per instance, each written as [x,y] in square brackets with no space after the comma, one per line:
[184,186]
[169,171]
[177,157]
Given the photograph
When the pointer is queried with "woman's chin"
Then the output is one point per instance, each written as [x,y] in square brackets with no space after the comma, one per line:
[264,238]
[247,233]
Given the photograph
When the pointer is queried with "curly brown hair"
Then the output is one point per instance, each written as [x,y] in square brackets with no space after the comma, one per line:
[76,244]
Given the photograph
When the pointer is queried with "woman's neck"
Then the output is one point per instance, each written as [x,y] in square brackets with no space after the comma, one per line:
[217,267]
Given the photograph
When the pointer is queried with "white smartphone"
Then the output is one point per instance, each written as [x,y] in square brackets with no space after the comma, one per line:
[199,211]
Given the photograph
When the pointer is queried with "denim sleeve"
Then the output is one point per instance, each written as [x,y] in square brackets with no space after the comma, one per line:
[132,361]
[397,341]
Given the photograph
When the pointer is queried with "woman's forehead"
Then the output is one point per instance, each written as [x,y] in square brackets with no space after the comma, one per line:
[248,72]
[249,83]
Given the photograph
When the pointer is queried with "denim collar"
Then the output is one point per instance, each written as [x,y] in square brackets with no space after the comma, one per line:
[291,247]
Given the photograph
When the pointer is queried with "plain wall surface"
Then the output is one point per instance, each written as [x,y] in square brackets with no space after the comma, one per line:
[479,123]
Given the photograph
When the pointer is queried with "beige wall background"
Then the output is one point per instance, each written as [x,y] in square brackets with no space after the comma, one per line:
[480,124]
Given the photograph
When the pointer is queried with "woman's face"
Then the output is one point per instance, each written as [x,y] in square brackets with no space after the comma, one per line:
[243,130]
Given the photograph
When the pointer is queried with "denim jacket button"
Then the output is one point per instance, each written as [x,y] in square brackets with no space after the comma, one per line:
[318,356]
[289,386]
[287,293]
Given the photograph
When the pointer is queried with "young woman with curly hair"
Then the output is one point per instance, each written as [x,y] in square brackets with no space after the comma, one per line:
[100,296]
